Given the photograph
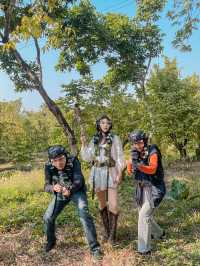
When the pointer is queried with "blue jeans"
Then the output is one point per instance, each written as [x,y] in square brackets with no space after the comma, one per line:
[57,205]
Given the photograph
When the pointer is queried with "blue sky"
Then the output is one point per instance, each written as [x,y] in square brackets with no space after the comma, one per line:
[187,62]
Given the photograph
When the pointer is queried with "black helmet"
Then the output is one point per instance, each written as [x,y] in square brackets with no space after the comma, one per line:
[138,135]
[99,120]
[55,151]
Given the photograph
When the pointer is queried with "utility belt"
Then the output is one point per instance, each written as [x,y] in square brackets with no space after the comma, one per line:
[143,183]
[110,163]
[140,183]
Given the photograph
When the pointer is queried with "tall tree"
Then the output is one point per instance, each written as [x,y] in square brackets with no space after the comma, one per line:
[81,36]
[174,105]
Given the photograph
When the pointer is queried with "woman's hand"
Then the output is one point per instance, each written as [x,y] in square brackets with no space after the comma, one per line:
[83,140]
[118,179]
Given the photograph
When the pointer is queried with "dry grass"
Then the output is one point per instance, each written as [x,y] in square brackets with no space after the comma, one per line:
[22,244]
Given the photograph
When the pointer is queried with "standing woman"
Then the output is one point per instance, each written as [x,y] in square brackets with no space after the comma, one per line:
[105,152]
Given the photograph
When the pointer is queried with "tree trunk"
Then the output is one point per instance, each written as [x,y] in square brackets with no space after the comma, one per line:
[144,98]
[182,152]
[182,149]
[37,81]
[77,113]
[180,146]
[55,110]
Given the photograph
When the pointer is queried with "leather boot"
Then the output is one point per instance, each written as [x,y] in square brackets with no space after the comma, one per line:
[105,221]
[113,227]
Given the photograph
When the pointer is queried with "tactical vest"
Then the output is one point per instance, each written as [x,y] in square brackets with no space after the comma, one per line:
[109,141]
[68,168]
[156,179]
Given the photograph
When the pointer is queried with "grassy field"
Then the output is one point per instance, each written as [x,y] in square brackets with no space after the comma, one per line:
[23,202]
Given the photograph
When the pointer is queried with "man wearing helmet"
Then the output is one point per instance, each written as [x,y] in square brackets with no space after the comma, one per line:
[106,156]
[67,168]
[148,171]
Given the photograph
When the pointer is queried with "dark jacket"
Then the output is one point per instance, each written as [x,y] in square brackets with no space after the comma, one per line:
[157,179]
[73,171]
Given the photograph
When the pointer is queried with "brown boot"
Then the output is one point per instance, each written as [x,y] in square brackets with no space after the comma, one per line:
[105,220]
[113,227]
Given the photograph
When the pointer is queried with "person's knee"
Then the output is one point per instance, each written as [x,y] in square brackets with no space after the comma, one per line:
[113,201]
[48,218]
[102,205]
[145,215]
[83,210]
[113,207]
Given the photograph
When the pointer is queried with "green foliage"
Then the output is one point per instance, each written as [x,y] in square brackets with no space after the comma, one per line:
[23,201]
[184,15]
[148,10]
[82,37]
[179,190]
[22,134]
[174,104]
[173,101]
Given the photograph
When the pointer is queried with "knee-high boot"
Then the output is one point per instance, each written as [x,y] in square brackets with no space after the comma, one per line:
[105,221]
[113,227]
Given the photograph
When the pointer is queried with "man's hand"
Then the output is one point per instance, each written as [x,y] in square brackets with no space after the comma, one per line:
[65,192]
[57,188]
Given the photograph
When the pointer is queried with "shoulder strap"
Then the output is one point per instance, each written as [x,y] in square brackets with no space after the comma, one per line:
[160,171]
[49,165]
[153,148]
[70,161]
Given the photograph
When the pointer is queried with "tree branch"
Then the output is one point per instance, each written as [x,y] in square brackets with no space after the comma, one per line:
[8,15]
[49,102]
[38,58]
[144,77]
[26,67]
[77,113]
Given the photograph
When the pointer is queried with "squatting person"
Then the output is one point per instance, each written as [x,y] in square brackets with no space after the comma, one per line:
[64,179]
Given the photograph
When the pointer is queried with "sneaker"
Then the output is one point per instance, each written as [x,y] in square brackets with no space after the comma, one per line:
[163,236]
[146,253]
[50,245]
[97,254]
